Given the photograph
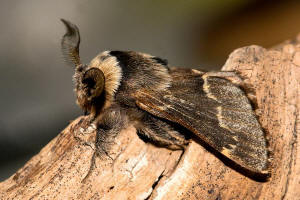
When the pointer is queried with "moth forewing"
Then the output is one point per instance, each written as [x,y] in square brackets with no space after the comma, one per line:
[215,110]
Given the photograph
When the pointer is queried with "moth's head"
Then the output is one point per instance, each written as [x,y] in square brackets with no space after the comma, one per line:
[97,82]
[89,86]
[89,80]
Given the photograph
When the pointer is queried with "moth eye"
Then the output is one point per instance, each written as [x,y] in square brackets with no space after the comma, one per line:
[89,82]
[93,80]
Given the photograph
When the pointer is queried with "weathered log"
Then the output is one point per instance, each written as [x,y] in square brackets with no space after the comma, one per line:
[138,170]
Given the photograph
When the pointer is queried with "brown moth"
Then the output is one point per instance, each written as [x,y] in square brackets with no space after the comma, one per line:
[168,106]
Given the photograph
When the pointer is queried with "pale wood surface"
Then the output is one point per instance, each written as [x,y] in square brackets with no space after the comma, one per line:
[141,171]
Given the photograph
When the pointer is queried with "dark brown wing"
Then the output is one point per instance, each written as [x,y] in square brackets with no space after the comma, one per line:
[214,109]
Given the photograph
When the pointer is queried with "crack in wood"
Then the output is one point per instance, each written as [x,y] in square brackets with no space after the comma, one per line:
[155,184]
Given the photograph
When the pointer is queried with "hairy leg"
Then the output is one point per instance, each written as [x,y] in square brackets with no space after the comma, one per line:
[161,133]
[112,121]
[109,124]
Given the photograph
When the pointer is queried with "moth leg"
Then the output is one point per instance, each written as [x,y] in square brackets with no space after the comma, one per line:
[82,132]
[161,133]
[109,125]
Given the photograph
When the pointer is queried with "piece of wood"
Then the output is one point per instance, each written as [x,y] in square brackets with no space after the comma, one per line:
[142,171]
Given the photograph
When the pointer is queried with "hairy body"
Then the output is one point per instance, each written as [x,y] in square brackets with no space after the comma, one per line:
[168,106]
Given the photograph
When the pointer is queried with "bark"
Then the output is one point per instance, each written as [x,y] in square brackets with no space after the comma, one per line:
[138,170]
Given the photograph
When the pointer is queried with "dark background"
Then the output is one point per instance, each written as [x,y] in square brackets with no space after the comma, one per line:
[37,99]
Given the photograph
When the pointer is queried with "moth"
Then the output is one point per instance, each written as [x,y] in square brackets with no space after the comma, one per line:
[168,106]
